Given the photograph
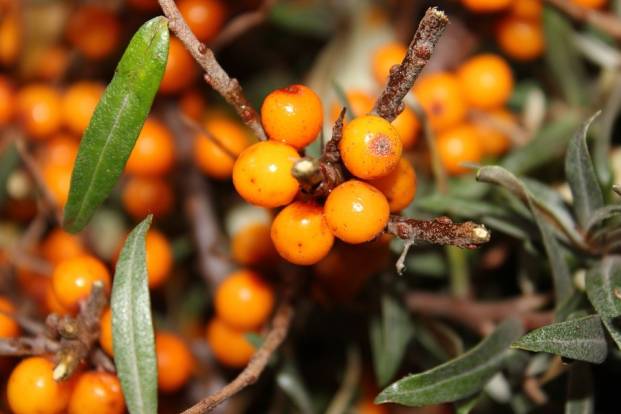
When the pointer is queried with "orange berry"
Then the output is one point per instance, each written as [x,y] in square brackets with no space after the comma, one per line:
[590,4]
[262,174]
[192,104]
[370,147]
[154,152]
[215,155]
[144,5]
[300,233]
[79,104]
[399,186]
[60,149]
[147,195]
[31,388]
[205,17]
[487,81]
[97,393]
[10,36]
[229,346]
[39,110]
[8,327]
[51,302]
[174,362]
[408,127]
[73,279]
[360,103]
[105,335]
[7,100]
[527,9]
[32,284]
[367,406]
[487,6]
[293,115]
[244,300]
[459,145]
[520,38]
[95,31]
[252,245]
[356,212]
[60,245]
[159,258]
[493,138]
[181,70]
[50,63]
[58,180]
[385,57]
[441,96]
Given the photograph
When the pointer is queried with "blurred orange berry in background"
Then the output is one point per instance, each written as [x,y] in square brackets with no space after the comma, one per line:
[520,38]
[50,63]
[7,100]
[10,36]
[229,345]
[487,81]
[408,127]
[181,70]
[384,58]
[144,5]
[192,105]
[360,103]
[94,30]
[147,195]
[154,152]
[399,186]
[73,279]
[57,177]
[174,362]
[590,4]
[459,145]
[51,304]
[253,246]
[59,245]
[492,133]
[79,103]
[97,393]
[441,96]
[59,149]
[159,257]
[487,6]
[205,17]
[39,109]
[105,336]
[528,9]
[8,326]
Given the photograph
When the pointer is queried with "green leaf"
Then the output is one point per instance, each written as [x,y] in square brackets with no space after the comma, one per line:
[467,405]
[580,390]
[116,122]
[604,134]
[308,17]
[600,216]
[603,285]
[389,339]
[582,339]
[132,327]
[290,381]
[459,378]
[587,194]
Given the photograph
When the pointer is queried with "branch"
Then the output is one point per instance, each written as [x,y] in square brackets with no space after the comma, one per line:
[439,230]
[215,76]
[606,22]
[241,24]
[402,77]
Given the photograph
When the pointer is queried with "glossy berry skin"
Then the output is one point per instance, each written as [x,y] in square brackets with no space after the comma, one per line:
[59,245]
[105,335]
[97,393]
[95,31]
[399,186]
[370,147]
[590,4]
[486,6]
[244,300]
[493,133]
[147,195]
[174,362]
[301,234]
[39,110]
[262,174]
[292,115]
[229,345]
[459,145]
[181,70]
[384,58]
[154,152]
[487,81]
[205,17]
[520,38]
[8,327]
[79,102]
[356,212]
[253,246]
[215,154]
[441,96]
[32,390]
[73,279]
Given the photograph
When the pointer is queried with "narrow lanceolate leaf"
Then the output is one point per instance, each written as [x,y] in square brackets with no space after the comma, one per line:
[132,327]
[580,390]
[459,378]
[603,285]
[587,194]
[116,122]
[582,339]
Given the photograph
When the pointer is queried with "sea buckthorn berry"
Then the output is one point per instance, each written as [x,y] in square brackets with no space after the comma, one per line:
[105,335]
[492,132]
[39,110]
[8,327]
[50,63]
[205,17]
[293,115]
[522,39]
[367,406]
[385,57]
[359,102]
[441,96]
[94,30]
[370,147]
[356,212]
[10,36]
[79,103]
[159,257]
[174,362]
[51,304]
[58,180]
[229,345]
[262,174]
[487,81]
[59,245]
[154,152]
[181,70]
[192,105]
[32,390]
[300,233]
[60,149]
[590,4]
[527,9]
[459,145]
[215,154]
[399,186]
[244,300]
[408,127]
[147,195]
[73,279]
[97,393]
[252,245]
[487,6]
[7,100]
